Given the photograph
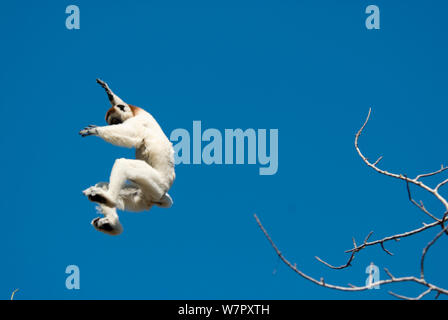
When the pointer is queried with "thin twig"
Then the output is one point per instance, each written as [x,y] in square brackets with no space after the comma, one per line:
[425,250]
[431,173]
[385,250]
[13,293]
[409,298]
[347,264]
[419,205]
[397,236]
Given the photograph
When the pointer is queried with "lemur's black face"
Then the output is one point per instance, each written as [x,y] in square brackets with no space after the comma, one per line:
[115,121]
[118,114]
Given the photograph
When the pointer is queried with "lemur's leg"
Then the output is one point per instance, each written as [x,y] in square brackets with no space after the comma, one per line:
[98,194]
[149,180]
[130,197]
[110,223]
[113,98]
[152,188]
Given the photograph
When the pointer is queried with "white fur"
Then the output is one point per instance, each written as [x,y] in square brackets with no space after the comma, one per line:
[135,185]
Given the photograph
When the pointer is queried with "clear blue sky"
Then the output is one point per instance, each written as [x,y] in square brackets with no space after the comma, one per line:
[309,68]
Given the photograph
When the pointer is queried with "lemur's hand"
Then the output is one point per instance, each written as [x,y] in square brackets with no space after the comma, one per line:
[89,130]
[102,83]
[110,94]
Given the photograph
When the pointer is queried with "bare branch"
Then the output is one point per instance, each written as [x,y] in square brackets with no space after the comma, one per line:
[396,236]
[430,174]
[425,250]
[13,293]
[394,175]
[388,273]
[356,248]
[385,250]
[349,287]
[441,184]
[368,237]
[419,205]
[416,298]
[381,242]
[377,161]
[347,264]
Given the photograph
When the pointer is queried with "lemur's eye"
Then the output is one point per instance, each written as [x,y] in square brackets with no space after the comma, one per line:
[115,121]
[122,107]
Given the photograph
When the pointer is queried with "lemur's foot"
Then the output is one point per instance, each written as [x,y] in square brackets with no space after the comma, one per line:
[99,195]
[165,201]
[107,226]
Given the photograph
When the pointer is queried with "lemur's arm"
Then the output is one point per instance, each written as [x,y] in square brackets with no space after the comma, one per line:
[113,98]
[122,135]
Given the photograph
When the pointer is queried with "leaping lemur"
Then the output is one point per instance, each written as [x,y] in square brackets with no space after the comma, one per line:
[135,185]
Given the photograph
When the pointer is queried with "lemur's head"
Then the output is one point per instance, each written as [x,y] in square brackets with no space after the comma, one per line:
[120,113]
